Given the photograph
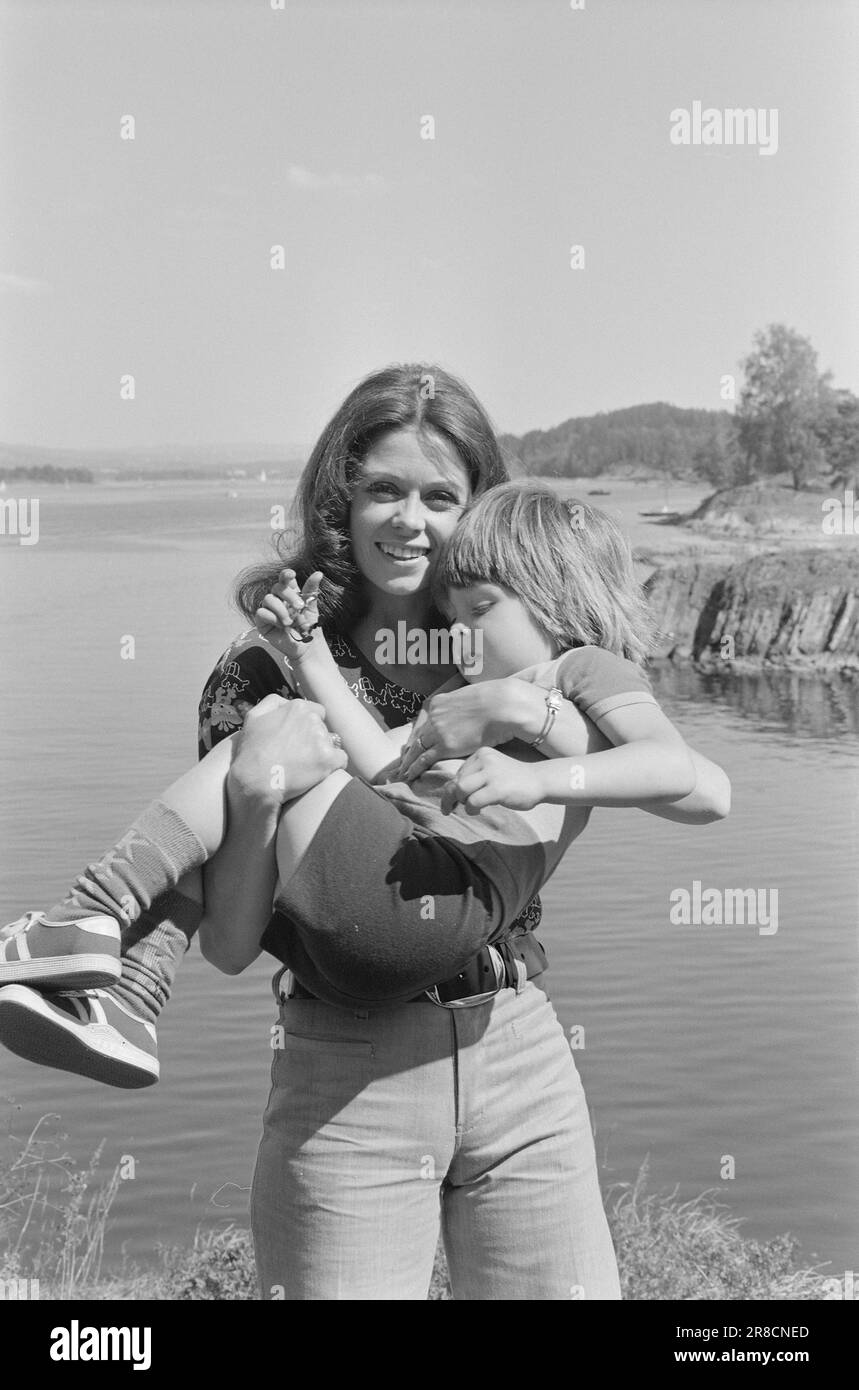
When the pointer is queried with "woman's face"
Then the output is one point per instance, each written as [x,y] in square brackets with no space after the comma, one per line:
[405,505]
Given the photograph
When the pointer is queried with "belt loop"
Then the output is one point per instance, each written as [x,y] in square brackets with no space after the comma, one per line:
[281,995]
[521,974]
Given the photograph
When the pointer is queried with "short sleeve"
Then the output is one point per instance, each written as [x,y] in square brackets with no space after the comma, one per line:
[244,675]
[599,682]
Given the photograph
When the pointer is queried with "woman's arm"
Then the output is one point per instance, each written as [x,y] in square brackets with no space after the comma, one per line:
[239,883]
[282,750]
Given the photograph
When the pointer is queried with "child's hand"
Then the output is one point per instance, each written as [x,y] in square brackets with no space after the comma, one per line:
[288,613]
[490,778]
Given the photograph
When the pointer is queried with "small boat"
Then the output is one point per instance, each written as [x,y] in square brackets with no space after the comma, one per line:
[599,492]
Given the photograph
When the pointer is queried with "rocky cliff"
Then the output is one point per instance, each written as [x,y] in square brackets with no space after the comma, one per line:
[792,608]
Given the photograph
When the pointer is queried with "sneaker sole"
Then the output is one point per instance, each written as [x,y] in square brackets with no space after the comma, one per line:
[62,972]
[31,1031]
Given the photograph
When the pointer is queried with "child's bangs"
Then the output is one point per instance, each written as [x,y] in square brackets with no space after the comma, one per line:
[473,553]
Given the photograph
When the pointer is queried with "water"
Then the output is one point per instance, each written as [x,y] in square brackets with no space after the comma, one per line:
[700,1042]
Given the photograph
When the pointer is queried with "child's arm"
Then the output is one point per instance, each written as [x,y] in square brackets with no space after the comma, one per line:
[573,734]
[372,750]
[648,762]
[708,801]
[459,718]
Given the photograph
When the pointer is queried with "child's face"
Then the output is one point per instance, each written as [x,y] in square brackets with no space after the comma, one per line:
[503,635]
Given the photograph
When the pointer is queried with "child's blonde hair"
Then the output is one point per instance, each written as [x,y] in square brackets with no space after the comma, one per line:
[569,563]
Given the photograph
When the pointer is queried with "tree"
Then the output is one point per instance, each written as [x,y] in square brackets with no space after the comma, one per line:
[720,459]
[838,434]
[781,405]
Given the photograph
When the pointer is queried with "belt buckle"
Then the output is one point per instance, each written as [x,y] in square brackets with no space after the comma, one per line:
[472,1001]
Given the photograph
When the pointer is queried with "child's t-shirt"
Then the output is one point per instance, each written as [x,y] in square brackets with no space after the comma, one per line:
[520,850]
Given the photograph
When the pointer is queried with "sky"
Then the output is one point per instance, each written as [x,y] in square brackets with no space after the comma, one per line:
[301,127]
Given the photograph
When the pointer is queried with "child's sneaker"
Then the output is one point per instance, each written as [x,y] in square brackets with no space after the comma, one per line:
[85,1031]
[84,953]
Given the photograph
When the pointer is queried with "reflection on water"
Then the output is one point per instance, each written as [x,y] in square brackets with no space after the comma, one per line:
[802,704]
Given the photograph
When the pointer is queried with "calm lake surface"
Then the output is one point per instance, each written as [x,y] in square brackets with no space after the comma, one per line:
[700,1041]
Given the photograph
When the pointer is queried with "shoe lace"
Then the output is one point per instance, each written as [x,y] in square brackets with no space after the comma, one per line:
[17,928]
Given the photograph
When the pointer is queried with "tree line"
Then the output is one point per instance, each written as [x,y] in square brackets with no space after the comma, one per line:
[789,418]
[46,473]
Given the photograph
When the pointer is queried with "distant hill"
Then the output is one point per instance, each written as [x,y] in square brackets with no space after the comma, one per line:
[642,440]
[154,461]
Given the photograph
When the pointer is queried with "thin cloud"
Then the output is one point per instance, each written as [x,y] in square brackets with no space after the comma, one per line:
[299,177]
[21,284]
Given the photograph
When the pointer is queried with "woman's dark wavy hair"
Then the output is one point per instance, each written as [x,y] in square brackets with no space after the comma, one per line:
[415,394]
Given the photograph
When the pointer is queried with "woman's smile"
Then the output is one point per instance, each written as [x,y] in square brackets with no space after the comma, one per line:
[403,554]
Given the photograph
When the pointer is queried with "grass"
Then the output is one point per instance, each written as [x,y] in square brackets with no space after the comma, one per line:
[54,1216]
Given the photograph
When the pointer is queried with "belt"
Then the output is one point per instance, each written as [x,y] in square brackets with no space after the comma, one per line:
[508,964]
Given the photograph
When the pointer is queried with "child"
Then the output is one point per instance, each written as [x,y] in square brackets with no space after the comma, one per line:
[433,868]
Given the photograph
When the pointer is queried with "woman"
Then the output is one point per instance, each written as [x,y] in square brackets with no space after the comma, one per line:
[382,1122]
[378,1113]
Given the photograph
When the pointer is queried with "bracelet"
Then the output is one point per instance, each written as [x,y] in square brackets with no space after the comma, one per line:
[553,704]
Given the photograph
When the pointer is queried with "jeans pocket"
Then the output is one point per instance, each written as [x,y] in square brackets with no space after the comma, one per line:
[533,1013]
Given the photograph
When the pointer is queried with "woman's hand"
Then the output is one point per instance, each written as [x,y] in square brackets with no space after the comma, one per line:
[287,615]
[283,749]
[454,724]
[490,778]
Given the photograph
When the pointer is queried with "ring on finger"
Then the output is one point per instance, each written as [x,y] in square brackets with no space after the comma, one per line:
[337,740]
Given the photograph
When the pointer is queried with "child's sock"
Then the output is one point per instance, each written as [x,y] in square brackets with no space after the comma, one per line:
[150,858]
[151,950]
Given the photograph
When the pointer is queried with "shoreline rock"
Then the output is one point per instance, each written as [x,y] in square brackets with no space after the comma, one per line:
[797,609]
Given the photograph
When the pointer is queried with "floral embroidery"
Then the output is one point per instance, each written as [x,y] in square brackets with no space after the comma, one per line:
[224,713]
[338,645]
[381,694]
[224,703]
[529,918]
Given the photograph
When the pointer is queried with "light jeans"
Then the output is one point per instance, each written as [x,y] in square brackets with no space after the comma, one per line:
[384,1125]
